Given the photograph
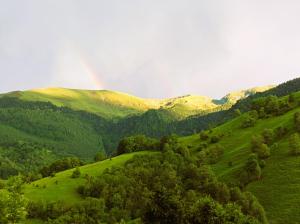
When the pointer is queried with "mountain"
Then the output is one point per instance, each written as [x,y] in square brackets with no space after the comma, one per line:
[278,185]
[200,122]
[117,105]
[54,123]
[258,158]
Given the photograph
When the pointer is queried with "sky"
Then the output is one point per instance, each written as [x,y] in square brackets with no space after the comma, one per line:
[149,48]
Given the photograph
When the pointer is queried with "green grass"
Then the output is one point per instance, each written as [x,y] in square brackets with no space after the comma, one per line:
[108,104]
[116,105]
[65,189]
[279,189]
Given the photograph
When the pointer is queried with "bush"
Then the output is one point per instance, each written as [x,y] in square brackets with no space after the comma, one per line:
[250,119]
[76,173]
[263,151]
[215,138]
[294,144]
[60,165]
[297,121]
[100,156]
[204,135]
[280,132]
[251,171]
[268,136]
[136,143]
[214,153]
[259,147]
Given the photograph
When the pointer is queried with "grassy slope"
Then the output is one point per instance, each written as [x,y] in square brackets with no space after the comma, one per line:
[106,103]
[65,189]
[111,104]
[279,188]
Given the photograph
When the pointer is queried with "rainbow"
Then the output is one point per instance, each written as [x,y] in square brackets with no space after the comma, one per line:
[91,73]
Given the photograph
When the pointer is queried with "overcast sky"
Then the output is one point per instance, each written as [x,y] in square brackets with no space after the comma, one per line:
[149,48]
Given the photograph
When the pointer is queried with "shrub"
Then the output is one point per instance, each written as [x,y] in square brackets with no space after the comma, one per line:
[99,156]
[76,173]
[250,119]
[297,121]
[280,132]
[251,171]
[136,143]
[263,151]
[204,135]
[268,136]
[259,147]
[294,144]
[262,163]
[214,153]
[214,139]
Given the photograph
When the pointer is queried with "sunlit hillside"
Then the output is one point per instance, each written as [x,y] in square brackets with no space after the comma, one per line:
[112,104]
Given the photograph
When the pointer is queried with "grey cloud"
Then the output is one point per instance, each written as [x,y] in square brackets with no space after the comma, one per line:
[149,48]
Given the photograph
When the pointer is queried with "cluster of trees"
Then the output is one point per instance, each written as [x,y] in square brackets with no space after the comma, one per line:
[137,143]
[167,187]
[251,170]
[210,137]
[22,157]
[249,119]
[273,106]
[260,143]
[210,155]
[260,147]
[265,107]
[61,165]
[13,205]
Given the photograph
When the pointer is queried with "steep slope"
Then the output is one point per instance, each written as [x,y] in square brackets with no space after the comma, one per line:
[279,186]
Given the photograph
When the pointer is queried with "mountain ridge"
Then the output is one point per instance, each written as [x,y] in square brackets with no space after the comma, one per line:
[115,105]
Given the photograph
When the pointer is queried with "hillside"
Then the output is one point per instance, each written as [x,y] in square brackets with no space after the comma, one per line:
[279,186]
[62,187]
[116,105]
[226,148]
[140,187]
[55,122]
[108,104]
[200,122]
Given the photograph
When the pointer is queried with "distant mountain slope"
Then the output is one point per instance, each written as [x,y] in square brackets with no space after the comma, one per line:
[204,121]
[116,105]
[108,104]
[277,188]
[55,123]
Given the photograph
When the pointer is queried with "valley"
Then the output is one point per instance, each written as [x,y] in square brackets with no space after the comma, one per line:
[241,154]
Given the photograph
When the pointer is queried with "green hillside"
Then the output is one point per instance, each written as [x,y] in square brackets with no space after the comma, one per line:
[279,185]
[105,103]
[141,187]
[62,187]
[33,134]
[115,105]
[56,122]
[277,188]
